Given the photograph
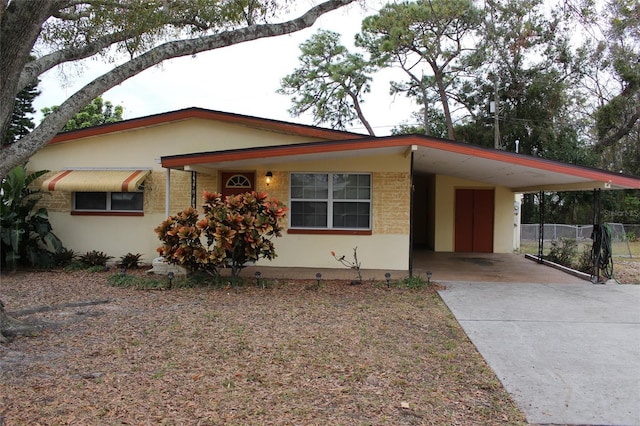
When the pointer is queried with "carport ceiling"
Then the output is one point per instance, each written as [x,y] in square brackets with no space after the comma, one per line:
[520,173]
[518,177]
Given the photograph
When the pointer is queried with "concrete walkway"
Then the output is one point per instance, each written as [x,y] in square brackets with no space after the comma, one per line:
[568,353]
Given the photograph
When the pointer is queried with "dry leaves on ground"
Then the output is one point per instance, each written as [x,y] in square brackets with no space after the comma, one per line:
[289,354]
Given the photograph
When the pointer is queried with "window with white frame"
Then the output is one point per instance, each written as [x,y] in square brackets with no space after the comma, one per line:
[330,200]
[109,201]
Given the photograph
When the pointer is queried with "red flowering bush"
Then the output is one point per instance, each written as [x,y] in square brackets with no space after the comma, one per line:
[234,231]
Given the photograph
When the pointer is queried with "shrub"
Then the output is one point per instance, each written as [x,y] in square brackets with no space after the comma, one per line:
[563,252]
[585,261]
[63,257]
[415,281]
[237,229]
[130,261]
[94,258]
[130,281]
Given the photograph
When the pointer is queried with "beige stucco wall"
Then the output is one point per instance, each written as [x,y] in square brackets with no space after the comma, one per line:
[386,248]
[144,147]
[118,235]
[445,217]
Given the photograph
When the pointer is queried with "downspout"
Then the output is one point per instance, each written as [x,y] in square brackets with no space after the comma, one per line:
[167,192]
[411,194]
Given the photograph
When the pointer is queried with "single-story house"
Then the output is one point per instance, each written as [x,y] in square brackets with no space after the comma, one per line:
[111,185]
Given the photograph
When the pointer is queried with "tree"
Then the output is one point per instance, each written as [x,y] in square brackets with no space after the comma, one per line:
[412,34]
[96,113]
[330,82]
[147,32]
[437,125]
[134,35]
[21,123]
[237,229]
[526,64]
[612,88]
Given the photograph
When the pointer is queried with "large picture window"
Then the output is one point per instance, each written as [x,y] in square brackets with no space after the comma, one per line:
[109,201]
[330,200]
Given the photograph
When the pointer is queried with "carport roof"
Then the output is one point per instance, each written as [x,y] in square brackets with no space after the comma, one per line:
[520,173]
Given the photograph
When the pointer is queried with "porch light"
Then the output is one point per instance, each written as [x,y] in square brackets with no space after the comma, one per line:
[268,177]
[387,276]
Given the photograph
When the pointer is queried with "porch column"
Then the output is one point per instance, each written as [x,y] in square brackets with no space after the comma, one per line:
[167,192]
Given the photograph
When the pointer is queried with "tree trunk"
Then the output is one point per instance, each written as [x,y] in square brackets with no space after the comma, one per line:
[10,327]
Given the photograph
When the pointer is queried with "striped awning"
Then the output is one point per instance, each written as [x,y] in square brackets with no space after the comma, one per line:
[96,180]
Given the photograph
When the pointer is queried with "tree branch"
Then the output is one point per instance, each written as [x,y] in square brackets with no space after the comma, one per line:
[21,150]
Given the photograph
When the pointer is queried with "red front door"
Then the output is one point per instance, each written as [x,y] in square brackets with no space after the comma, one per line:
[474,220]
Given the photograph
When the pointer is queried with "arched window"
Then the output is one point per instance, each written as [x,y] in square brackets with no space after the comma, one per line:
[238,181]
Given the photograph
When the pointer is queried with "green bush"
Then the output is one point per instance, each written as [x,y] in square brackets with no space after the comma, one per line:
[130,261]
[94,258]
[63,257]
[415,281]
[585,261]
[563,252]
[134,281]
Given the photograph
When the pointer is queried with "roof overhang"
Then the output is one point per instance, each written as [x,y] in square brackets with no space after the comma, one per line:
[520,173]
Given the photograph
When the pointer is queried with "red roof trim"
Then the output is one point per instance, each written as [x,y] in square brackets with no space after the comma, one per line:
[153,120]
[400,141]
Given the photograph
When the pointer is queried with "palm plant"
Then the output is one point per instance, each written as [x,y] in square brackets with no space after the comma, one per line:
[26,235]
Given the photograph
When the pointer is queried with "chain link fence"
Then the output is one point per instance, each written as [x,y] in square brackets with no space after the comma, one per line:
[620,234]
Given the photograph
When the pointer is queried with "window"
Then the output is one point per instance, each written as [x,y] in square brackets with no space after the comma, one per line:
[330,201]
[109,201]
[238,181]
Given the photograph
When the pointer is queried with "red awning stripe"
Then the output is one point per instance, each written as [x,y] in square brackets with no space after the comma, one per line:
[52,183]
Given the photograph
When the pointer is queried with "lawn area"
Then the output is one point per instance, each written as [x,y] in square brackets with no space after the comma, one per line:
[291,353]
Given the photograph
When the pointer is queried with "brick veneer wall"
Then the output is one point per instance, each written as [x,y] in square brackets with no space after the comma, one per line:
[391,202]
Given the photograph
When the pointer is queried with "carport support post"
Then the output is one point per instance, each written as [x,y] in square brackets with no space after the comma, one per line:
[412,190]
[540,225]
[595,252]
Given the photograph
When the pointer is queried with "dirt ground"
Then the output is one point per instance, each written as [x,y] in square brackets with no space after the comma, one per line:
[627,271]
[290,353]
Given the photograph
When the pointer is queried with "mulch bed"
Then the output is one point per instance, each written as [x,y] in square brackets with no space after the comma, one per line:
[288,354]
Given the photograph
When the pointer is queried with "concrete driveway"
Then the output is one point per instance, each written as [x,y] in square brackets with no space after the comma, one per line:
[568,353]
